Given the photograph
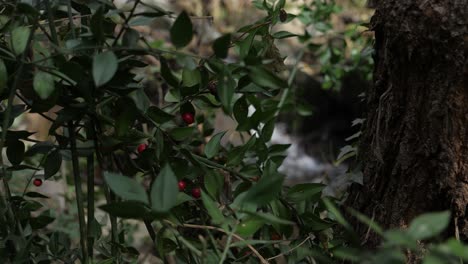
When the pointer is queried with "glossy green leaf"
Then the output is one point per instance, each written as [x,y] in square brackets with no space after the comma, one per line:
[52,163]
[104,67]
[182,198]
[126,187]
[213,146]
[181,30]
[130,38]
[215,213]
[214,182]
[265,190]
[164,190]
[241,110]
[190,77]
[19,39]
[267,129]
[246,44]
[158,115]
[127,209]
[44,84]
[226,89]
[429,225]
[221,46]
[314,223]
[265,78]
[181,133]
[249,226]
[167,74]
[283,34]
[270,218]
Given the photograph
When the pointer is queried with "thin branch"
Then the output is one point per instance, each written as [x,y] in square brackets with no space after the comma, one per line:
[205,227]
[125,24]
[290,250]
[78,191]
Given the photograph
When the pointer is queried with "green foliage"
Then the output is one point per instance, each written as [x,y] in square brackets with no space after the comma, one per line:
[232,205]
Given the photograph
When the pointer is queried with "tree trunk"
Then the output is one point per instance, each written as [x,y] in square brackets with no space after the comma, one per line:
[414,147]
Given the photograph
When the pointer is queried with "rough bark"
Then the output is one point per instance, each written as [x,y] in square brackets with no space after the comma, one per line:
[414,147]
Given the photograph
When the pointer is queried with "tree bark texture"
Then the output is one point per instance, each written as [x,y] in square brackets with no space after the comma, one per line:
[414,147]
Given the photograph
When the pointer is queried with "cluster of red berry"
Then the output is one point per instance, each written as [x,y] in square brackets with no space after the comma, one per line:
[196,191]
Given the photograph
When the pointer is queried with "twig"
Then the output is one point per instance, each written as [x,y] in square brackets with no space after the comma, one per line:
[90,196]
[78,191]
[125,24]
[255,252]
[228,243]
[291,250]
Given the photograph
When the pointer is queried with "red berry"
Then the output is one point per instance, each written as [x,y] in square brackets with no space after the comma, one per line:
[196,193]
[141,148]
[37,182]
[182,185]
[188,118]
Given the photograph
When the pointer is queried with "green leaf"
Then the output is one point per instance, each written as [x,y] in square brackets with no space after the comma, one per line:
[44,84]
[214,182]
[226,89]
[213,146]
[3,76]
[267,129]
[181,133]
[304,192]
[127,209]
[429,225]
[182,198]
[221,46]
[19,39]
[164,190]
[265,78]
[190,77]
[181,30]
[249,226]
[283,34]
[52,163]
[15,152]
[167,74]
[41,221]
[265,190]
[158,115]
[399,238]
[338,216]
[130,38]
[241,110]
[314,223]
[216,215]
[246,44]
[269,218]
[104,67]
[125,187]
[96,26]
